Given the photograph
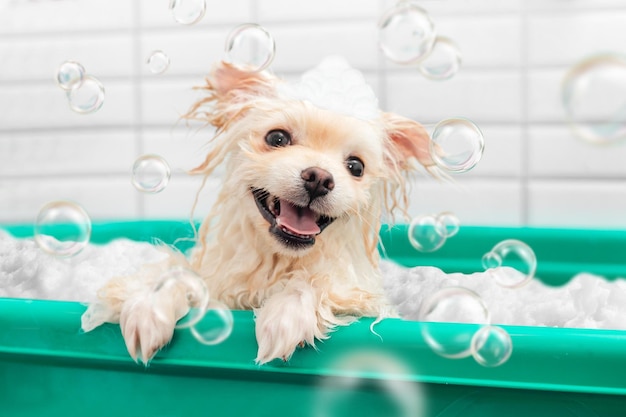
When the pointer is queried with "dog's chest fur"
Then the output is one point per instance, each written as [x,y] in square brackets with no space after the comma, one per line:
[244,272]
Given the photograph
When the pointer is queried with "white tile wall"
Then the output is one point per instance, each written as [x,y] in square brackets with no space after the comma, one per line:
[489,41]
[37,58]
[321,10]
[154,14]
[164,101]
[487,96]
[474,201]
[44,18]
[102,196]
[560,39]
[600,204]
[515,53]
[62,152]
[311,42]
[581,161]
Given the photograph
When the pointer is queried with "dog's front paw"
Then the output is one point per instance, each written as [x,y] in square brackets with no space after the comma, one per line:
[285,322]
[148,323]
[145,331]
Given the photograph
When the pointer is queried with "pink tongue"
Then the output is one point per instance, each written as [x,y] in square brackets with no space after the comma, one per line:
[300,220]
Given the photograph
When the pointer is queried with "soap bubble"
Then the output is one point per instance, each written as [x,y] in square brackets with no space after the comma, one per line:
[188,12]
[383,380]
[158,62]
[449,224]
[463,311]
[594,98]
[87,97]
[197,294]
[70,74]
[406,33]
[492,346]
[512,263]
[215,326]
[250,46]
[426,234]
[62,228]
[457,145]
[443,61]
[151,174]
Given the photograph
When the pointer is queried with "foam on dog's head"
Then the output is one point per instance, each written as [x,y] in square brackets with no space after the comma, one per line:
[334,85]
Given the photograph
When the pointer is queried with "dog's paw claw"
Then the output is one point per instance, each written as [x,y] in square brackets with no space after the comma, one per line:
[279,336]
[145,329]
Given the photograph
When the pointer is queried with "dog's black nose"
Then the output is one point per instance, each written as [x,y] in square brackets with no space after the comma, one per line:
[317,182]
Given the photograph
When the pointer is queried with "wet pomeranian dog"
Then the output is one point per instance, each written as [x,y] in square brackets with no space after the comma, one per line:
[310,168]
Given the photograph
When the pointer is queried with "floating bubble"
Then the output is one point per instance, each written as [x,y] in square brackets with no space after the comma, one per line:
[62,228]
[158,62]
[215,326]
[70,74]
[250,46]
[512,263]
[406,33]
[88,97]
[188,12]
[594,98]
[151,174]
[491,260]
[426,234]
[443,61]
[463,311]
[449,224]
[183,279]
[372,376]
[457,145]
[492,346]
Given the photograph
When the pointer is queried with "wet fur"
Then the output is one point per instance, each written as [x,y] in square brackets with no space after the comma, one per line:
[298,295]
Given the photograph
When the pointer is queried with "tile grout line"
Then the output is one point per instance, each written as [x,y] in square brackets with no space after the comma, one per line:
[137,84]
[254,18]
[381,68]
[254,10]
[525,145]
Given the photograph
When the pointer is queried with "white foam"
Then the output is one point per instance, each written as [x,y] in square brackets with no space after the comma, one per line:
[334,85]
[587,301]
[28,272]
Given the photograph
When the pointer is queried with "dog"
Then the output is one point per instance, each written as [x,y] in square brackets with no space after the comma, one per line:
[310,168]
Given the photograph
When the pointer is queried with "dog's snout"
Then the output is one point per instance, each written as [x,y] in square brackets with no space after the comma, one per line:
[317,181]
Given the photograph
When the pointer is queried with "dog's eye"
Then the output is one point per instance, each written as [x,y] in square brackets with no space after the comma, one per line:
[355,166]
[278,138]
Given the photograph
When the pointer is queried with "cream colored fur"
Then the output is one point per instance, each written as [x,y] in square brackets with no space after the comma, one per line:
[298,295]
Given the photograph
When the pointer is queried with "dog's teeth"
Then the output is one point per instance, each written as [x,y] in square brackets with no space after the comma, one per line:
[276,206]
[292,233]
[273,205]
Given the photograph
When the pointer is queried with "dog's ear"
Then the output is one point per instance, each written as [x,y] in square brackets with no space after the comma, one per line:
[230,91]
[407,142]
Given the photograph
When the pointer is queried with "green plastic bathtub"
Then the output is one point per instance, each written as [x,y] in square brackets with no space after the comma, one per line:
[48,367]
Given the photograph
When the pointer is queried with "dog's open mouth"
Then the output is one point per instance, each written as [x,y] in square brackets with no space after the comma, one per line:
[293,225]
